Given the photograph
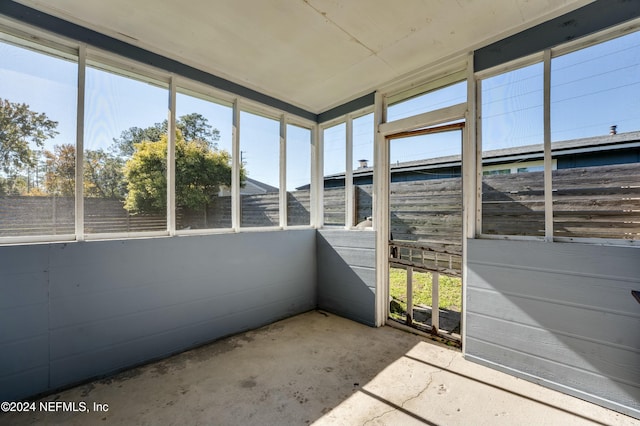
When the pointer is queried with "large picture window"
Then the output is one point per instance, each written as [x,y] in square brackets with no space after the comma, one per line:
[125,152]
[203,162]
[125,178]
[513,152]
[38,92]
[589,189]
[595,124]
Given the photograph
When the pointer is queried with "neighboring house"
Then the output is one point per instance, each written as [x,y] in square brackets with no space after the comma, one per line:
[251,187]
[622,148]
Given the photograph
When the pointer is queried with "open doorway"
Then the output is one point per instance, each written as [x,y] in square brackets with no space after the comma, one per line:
[426,230]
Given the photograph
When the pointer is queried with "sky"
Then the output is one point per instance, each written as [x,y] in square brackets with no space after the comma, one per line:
[592,89]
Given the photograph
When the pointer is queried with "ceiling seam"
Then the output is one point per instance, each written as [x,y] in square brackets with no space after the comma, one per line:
[335,24]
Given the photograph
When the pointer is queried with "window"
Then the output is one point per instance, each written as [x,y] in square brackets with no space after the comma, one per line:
[298,175]
[260,158]
[203,162]
[38,92]
[363,135]
[595,100]
[335,152]
[594,134]
[441,97]
[512,127]
[125,152]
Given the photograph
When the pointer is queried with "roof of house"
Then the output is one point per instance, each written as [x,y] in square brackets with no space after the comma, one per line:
[261,185]
[527,152]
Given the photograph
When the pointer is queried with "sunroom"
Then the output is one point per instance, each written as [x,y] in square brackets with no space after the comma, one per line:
[173,174]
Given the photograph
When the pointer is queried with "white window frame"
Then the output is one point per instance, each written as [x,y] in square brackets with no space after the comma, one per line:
[118,65]
[545,58]
[297,122]
[284,119]
[349,188]
[209,94]
[320,165]
[21,35]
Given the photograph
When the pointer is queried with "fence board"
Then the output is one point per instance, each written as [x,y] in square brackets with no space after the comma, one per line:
[588,202]
[599,202]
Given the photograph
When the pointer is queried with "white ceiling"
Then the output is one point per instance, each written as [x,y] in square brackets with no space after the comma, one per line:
[315,54]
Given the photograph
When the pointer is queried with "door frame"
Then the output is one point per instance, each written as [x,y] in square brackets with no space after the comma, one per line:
[382,175]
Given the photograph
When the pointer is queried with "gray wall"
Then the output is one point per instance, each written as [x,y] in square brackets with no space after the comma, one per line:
[347,273]
[70,312]
[559,314]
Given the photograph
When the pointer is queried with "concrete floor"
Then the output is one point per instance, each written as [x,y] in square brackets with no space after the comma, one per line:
[318,368]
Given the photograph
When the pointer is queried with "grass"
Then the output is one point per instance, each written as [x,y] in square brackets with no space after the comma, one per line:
[450,291]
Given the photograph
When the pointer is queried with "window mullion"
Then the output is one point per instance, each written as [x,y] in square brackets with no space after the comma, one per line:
[283,171]
[318,178]
[478,157]
[548,187]
[79,183]
[235,168]
[171,159]
[348,175]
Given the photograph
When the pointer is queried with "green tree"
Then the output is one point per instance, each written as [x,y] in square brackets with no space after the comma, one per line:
[126,144]
[61,170]
[146,176]
[14,185]
[193,127]
[103,175]
[200,172]
[21,130]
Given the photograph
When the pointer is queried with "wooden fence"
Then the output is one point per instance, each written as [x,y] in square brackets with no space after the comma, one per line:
[593,202]
[334,206]
[28,216]
[589,202]
[256,210]
[25,216]
[36,216]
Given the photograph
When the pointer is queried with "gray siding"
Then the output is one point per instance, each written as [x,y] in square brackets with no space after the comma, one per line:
[24,338]
[347,273]
[558,314]
[70,312]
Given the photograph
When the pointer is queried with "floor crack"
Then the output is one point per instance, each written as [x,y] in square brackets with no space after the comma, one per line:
[418,395]
[378,416]
[453,358]
[430,380]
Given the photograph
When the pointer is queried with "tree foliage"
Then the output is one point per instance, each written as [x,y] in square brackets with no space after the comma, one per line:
[133,169]
[103,175]
[146,177]
[19,128]
[193,127]
[61,170]
[200,171]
